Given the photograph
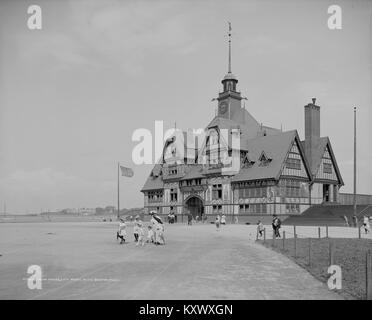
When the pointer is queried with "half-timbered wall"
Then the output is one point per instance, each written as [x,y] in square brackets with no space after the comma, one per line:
[294,164]
[327,170]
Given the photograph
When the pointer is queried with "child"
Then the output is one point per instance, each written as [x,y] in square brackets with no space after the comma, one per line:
[217,222]
[159,233]
[223,219]
[150,235]
[260,228]
[121,234]
[136,228]
[141,234]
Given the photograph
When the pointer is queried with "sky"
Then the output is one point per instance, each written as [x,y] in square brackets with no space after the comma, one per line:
[73,93]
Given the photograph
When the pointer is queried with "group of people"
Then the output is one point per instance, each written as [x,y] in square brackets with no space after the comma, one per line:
[276,224]
[155,231]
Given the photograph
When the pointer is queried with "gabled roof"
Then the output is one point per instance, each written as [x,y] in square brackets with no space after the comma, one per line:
[275,147]
[193,171]
[318,155]
[155,180]
[249,127]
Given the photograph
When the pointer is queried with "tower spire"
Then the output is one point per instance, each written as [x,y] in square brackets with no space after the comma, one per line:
[229,34]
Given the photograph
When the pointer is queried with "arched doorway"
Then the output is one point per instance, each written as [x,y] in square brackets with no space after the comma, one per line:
[194,205]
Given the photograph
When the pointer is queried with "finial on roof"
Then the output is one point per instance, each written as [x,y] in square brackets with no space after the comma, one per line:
[314,100]
[229,34]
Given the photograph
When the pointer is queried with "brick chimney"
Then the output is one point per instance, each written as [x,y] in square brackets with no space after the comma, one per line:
[312,130]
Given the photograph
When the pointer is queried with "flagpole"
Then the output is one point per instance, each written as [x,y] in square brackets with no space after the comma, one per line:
[118,189]
[354,194]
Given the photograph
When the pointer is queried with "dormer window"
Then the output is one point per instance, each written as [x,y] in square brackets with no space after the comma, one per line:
[264,160]
[246,162]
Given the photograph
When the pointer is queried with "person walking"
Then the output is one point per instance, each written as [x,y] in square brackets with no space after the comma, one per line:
[346,221]
[136,228]
[276,224]
[366,224]
[218,222]
[189,219]
[121,234]
[260,228]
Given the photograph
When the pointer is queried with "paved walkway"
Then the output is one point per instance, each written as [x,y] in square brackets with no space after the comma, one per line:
[198,262]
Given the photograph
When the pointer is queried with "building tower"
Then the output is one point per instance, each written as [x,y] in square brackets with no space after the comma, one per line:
[229,100]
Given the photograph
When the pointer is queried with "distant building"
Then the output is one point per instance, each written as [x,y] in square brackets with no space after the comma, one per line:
[277,173]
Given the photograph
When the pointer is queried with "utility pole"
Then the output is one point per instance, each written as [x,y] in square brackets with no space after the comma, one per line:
[118,190]
[354,200]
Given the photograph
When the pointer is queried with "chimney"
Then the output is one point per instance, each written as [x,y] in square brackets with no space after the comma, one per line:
[312,130]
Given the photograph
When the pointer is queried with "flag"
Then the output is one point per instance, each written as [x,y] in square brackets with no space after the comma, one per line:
[127,172]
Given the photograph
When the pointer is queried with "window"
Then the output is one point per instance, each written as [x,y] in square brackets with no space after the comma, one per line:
[293,163]
[264,160]
[291,188]
[217,191]
[244,208]
[245,161]
[241,193]
[292,208]
[173,194]
[327,168]
[264,192]
[155,196]
[172,170]
[263,208]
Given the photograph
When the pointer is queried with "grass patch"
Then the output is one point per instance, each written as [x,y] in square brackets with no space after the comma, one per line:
[349,254]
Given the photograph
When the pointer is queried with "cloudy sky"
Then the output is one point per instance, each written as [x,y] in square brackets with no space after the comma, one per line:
[72,94]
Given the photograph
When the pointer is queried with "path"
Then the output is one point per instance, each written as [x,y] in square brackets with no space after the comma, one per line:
[197,263]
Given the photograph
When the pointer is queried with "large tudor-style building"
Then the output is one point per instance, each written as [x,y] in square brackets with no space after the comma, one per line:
[240,166]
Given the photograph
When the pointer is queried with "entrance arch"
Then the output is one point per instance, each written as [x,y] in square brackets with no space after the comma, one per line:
[195,206]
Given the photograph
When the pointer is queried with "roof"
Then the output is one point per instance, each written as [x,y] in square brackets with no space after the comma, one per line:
[230,76]
[249,127]
[194,171]
[275,147]
[318,155]
[154,181]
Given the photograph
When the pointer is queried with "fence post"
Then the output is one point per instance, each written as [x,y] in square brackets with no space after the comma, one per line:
[295,245]
[264,235]
[309,251]
[369,275]
[330,253]
[319,232]
[359,233]
[327,231]
[283,240]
